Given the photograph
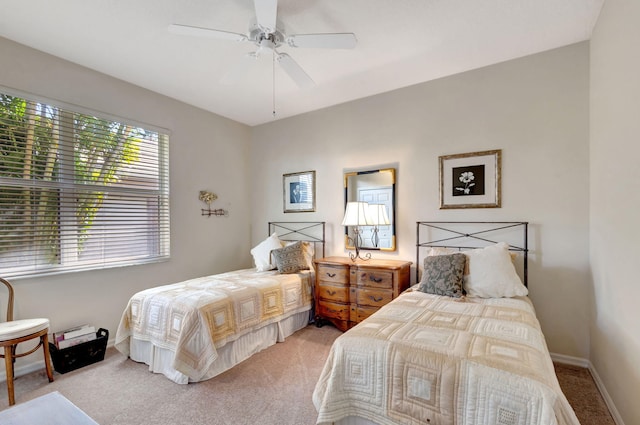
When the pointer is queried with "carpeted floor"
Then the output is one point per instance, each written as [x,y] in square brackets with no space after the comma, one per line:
[578,386]
[273,387]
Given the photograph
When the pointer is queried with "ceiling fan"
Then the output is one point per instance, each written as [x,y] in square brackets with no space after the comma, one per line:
[268,37]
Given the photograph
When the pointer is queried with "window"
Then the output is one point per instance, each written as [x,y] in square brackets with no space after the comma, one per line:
[78,191]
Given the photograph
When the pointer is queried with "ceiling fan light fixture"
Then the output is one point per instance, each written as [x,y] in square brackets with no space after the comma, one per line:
[267,44]
[265,34]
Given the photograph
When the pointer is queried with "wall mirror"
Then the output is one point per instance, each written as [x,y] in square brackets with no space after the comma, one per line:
[378,189]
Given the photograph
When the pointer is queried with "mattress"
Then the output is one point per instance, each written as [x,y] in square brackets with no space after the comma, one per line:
[426,358]
[193,330]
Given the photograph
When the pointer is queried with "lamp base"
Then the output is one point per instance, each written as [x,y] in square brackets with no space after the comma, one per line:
[357,243]
[356,256]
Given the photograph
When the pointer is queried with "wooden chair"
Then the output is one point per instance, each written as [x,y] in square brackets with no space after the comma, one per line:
[13,332]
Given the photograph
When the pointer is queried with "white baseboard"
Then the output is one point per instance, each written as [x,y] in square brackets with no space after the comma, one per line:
[580,362]
[24,369]
[36,363]
[605,395]
[570,360]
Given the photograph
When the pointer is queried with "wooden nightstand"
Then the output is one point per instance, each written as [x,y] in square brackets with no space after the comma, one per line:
[346,293]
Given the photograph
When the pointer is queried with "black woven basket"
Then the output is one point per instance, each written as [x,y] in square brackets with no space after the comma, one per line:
[72,358]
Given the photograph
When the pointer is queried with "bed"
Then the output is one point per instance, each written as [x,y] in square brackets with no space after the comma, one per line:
[194,330]
[461,346]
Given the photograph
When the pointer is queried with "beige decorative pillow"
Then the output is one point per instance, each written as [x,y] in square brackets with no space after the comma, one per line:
[291,259]
[309,251]
[436,250]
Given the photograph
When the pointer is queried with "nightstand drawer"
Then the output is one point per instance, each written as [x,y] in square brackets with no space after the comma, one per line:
[375,278]
[326,291]
[333,310]
[358,314]
[333,274]
[373,297]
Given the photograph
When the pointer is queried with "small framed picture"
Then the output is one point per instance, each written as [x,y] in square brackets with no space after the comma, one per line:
[299,190]
[470,180]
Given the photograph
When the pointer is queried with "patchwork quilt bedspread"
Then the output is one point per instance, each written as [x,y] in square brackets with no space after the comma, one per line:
[195,317]
[430,359]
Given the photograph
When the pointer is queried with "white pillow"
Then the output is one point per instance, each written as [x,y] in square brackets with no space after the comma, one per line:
[262,253]
[492,274]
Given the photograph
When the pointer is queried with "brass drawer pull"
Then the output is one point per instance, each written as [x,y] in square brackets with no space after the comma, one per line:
[331,274]
[374,279]
[375,299]
[331,292]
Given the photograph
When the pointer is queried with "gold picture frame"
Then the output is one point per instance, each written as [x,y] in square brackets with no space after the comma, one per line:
[299,192]
[471,180]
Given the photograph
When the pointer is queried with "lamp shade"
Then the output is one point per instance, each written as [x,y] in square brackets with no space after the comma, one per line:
[356,214]
[378,215]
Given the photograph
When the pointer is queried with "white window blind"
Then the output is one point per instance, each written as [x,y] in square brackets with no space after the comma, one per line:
[77,191]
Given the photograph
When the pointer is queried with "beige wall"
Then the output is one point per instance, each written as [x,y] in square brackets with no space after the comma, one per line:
[615,203]
[206,152]
[535,109]
[576,192]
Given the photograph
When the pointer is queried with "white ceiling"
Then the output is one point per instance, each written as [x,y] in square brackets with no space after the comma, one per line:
[400,43]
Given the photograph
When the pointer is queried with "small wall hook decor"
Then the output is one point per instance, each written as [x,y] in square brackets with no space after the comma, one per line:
[217,212]
[208,197]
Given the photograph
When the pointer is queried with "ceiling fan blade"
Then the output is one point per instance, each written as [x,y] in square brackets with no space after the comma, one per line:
[323,41]
[206,32]
[238,69]
[266,14]
[294,70]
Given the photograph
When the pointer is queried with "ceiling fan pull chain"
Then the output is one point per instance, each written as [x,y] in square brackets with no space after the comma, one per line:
[273,73]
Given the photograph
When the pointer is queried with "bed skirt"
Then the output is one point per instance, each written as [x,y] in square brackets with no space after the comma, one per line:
[354,420]
[160,360]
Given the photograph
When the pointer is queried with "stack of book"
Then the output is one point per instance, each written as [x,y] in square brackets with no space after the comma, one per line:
[74,336]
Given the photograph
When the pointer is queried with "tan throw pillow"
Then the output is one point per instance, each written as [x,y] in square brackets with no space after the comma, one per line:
[291,259]
[308,249]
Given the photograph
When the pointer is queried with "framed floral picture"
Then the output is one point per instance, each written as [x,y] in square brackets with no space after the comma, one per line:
[299,192]
[470,180]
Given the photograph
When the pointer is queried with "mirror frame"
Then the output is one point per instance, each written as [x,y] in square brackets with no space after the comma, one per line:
[392,213]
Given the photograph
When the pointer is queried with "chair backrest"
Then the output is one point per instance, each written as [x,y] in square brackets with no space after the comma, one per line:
[9,300]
